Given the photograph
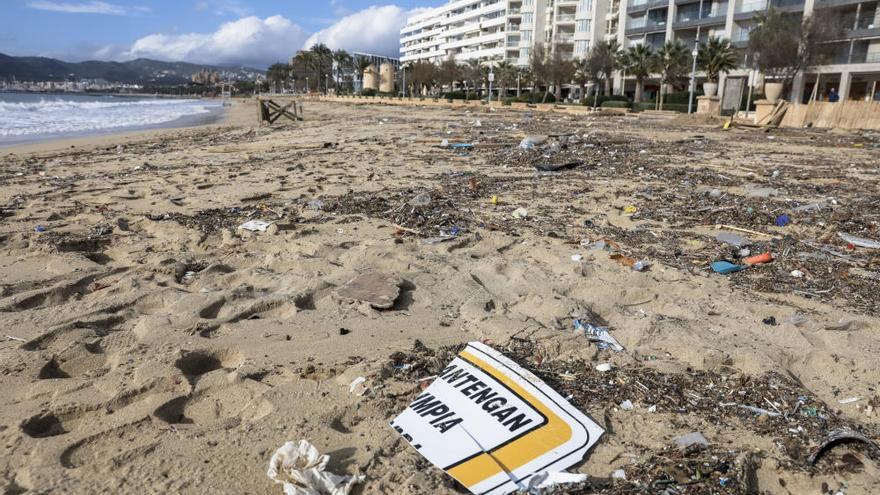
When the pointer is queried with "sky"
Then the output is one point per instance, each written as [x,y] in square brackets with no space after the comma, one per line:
[254,33]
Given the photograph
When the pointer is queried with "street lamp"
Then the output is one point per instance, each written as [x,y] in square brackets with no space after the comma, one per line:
[491,80]
[695,53]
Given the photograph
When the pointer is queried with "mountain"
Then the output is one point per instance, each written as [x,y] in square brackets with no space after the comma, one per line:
[140,71]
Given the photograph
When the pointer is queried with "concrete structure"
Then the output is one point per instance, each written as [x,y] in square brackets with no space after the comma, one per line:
[496,30]
[386,78]
[854,68]
[371,78]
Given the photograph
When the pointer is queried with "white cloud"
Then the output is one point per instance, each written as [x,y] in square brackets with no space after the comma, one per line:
[223,7]
[94,7]
[374,30]
[250,40]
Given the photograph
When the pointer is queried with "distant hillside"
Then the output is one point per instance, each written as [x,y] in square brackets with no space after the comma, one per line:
[141,71]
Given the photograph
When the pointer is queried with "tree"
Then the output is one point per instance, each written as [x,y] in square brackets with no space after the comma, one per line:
[559,71]
[672,64]
[505,72]
[582,74]
[303,66]
[423,74]
[277,75]
[783,44]
[450,72]
[472,71]
[523,78]
[343,60]
[323,58]
[361,64]
[716,56]
[539,69]
[639,61]
[607,55]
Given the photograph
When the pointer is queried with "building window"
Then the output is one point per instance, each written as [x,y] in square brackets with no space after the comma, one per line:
[525,35]
[583,25]
[527,3]
[586,5]
[523,53]
[582,46]
[527,18]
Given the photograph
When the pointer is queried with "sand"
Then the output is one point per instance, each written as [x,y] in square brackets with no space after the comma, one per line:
[150,346]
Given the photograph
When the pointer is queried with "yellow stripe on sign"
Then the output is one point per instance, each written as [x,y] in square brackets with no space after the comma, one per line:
[519,452]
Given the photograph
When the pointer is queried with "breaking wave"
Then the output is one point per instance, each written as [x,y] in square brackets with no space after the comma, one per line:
[37,115]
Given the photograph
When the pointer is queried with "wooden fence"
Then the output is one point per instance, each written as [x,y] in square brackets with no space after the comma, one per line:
[840,115]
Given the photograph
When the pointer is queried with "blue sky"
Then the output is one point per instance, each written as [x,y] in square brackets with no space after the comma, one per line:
[254,32]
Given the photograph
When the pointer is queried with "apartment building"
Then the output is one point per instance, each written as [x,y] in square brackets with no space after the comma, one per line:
[495,30]
[852,63]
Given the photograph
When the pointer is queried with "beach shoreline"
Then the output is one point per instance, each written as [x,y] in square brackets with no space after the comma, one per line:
[232,115]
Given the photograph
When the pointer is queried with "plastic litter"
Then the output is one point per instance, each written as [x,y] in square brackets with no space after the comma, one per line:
[446,234]
[693,438]
[542,481]
[620,474]
[725,267]
[599,335]
[809,207]
[255,225]
[641,265]
[797,274]
[797,318]
[770,320]
[604,367]
[301,469]
[627,405]
[316,205]
[520,213]
[783,220]
[556,167]
[859,241]
[355,386]
[576,257]
[40,228]
[849,400]
[531,141]
[759,259]
[421,199]
[731,238]
[630,209]
[462,146]
[444,143]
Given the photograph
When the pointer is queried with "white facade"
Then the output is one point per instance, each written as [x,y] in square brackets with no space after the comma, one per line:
[495,30]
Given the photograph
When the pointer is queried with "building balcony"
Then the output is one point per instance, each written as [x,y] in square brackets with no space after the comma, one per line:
[830,4]
[564,38]
[565,18]
[749,7]
[639,5]
[705,21]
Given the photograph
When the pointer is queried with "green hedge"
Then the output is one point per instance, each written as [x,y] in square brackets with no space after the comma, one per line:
[369,92]
[614,104]
[530,98]
[460,95]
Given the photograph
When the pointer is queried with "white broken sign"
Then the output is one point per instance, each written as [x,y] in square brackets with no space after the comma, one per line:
[492,425]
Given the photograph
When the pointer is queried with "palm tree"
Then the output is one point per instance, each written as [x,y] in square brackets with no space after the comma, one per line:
[672,64]
[361,64]
[306,62]
[523,78]
[582,74]
[323,58]
[277,74]
[343,60]
[472,71]
[504,73]
[639,61]
[716,56]
[607,55]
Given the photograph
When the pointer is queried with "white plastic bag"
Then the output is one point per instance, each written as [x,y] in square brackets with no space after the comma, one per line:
[301,469]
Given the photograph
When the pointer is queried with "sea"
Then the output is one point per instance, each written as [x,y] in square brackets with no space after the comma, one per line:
[29,117]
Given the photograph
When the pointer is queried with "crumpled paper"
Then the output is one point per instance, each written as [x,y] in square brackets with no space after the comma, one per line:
[301,469]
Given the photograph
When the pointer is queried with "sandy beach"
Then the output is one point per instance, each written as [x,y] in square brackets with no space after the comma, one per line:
[149,345]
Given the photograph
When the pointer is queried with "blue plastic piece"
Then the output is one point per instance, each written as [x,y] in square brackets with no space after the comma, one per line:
[725,267]
[783,220]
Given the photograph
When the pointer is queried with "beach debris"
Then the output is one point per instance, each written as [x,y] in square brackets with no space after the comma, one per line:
[556,167]
[316,205]
[619,474]
[797,318]
[627,405]
[302,470]
[255,225]
[576,257]
[357,386]
[40,228]
[691,439]
[494,199]
[492,449]
[461,146]
[599,335]
[731,238]
[604,367]
[541,482]
[724,267]
[630,209]
[837,437]
[520,213]
[770,320]
[846,324]
[849,400]
[446,234]
[421,199]
[758,259]
[377,289]
[529,142]
[783,220]
[640,265]
[859,241]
